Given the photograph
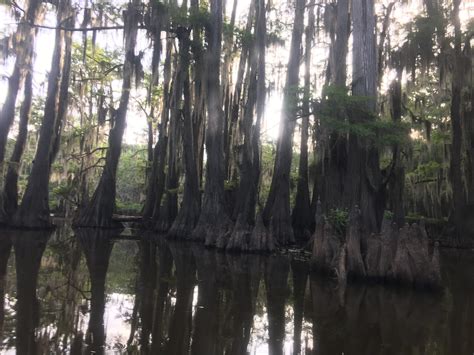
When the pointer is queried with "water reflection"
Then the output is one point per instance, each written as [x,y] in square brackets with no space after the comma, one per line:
[29,247]
[93,292]
[97,246]
[5,247]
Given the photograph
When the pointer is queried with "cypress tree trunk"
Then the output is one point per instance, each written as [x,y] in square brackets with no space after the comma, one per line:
[363,181]
[244,211]
[238,97]
[469,124]
[199,91]
[152,182]
[397,180]
[153,203]
[100,209]
[459,199]
[190,207]
[244,235]
[334,158]
[169,208]
[226,75]
[25,37]
[213,225]
[34,209]
[276,213]
[10,191]
[302,217]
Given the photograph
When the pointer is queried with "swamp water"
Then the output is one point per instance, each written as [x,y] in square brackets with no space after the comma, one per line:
[96,292]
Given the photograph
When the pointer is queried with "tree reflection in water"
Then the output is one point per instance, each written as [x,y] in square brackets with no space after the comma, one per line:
[97,246]
[192,300]
[5,248]
[29,247]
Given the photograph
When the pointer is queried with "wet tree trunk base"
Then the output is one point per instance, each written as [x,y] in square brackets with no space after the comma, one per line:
[100,210]
[213,229]
[185,222]
[394,256]
[248,238]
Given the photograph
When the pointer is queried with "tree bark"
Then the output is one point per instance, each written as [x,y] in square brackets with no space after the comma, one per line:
[249,152]
[169,208]
[10,191]
[153,203]
[397,180]
[459,199]
[276,213]
[25,37]
[199,91]
[34,209]
[334,144]
[238,97]
[213,225]
[151,192]
[302,217]
[190,207]
[363,181]
[100,209]
[244,210]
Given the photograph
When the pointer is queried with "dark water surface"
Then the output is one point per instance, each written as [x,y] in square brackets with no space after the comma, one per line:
[93,292]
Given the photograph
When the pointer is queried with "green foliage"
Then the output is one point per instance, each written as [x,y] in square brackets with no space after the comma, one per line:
[388,215]
[98,64]
[242,37]
[128,208]
[122,271]
[425,171]
[231,184]
[266,169]
[338,219]
[179,16]
[131,175]
[347,114]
